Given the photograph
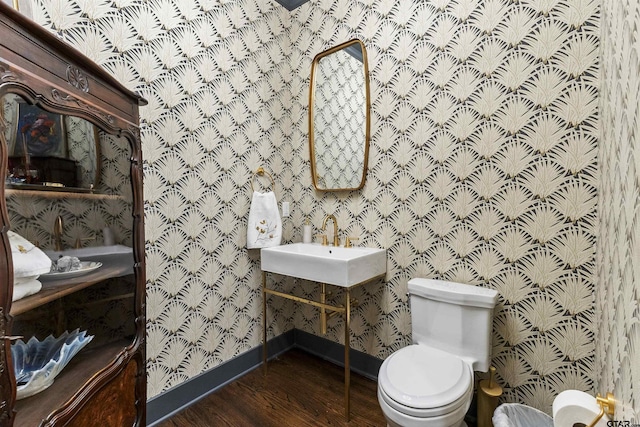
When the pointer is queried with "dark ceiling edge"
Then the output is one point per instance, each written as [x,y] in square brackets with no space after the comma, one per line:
[291,4]
[355,51]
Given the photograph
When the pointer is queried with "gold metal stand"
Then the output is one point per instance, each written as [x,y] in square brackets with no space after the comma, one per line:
[324,307]
[488,393]
[264,322]
[347,347]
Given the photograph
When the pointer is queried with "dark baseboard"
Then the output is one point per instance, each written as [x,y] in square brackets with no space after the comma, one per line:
[180,397]
[172,401]
[361,363]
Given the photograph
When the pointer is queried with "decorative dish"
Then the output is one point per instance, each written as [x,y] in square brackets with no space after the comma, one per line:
[37,363]
[85,268]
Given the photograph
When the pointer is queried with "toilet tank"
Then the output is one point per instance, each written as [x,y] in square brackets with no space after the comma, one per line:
[453,317]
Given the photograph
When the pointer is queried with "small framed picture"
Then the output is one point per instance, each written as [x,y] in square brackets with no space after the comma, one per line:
[39,133]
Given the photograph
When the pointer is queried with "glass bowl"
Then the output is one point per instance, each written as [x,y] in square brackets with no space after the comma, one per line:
[37,363]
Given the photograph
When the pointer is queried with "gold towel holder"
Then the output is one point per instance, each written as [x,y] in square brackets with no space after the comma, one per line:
[261,172]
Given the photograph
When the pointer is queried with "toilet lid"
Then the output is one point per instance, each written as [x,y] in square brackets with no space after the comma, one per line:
[422,377]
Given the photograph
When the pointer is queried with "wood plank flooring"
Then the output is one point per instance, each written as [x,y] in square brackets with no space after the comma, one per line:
[298,390]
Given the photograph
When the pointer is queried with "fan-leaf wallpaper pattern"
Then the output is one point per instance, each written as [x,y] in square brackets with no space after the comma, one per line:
[618,293]
[483,168]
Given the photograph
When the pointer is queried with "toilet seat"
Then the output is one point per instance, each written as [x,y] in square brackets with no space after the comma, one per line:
[424,382]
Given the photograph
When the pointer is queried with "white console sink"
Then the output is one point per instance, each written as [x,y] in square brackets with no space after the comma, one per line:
[325,264]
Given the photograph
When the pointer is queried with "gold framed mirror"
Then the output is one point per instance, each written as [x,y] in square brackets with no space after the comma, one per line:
[339,117]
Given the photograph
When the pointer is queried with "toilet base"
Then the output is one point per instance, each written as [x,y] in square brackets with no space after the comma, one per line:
[395,425]
[398,419]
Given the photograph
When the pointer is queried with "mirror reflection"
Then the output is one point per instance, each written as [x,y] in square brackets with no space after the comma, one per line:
[48,151]
[339,117]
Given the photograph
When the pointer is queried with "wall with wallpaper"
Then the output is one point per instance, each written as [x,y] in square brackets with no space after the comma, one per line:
[483,167]
[482,170]
[617,358]
[216,77]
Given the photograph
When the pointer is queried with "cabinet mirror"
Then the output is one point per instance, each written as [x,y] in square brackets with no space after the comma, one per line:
[339,122]
[49,151]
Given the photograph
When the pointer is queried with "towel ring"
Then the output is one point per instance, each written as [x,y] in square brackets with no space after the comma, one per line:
[261,172]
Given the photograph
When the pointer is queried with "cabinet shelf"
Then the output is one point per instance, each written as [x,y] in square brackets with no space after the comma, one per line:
[54,289]
[57,194]
[32,410]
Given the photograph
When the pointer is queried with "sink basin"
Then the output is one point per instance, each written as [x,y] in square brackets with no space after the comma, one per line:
[118,256]
[325,264]
[92,252]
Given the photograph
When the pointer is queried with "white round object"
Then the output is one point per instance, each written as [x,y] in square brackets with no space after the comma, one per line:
[421,377]
[575,406]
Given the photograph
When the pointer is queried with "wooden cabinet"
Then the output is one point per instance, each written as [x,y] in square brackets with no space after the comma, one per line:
[105,384]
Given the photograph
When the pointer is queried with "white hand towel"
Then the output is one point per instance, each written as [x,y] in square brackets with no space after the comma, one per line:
[28,260]
[265,226]
[23,288]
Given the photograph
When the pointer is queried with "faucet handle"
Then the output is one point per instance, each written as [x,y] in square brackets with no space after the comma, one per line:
[58,230]
[325,242]
[79,241]
[348,240]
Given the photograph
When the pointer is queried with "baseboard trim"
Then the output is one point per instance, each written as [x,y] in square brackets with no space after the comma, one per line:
[170,402]
[361,363]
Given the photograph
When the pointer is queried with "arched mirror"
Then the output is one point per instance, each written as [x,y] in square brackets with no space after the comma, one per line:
[339,122]
[49,151]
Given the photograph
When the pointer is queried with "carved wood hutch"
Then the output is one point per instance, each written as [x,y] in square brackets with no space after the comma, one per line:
[103,385]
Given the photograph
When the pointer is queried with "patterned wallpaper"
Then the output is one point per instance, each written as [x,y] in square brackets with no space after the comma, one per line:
[216,77]
[617,357]
[483,170]
[339,121]
[483,167]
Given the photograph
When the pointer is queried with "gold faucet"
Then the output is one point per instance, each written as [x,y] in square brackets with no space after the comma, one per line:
[79,241]
[58,228]
[336,239]
[348,240]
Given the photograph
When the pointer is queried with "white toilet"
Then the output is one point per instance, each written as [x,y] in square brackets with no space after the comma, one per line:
[430,383]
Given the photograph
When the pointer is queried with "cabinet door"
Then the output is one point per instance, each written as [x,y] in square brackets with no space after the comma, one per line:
[70,157]
[95,302]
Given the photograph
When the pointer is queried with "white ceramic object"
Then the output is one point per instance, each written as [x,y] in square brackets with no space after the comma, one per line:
[454,317]
[430,383]
[325,264]
[86,267]
[37,363]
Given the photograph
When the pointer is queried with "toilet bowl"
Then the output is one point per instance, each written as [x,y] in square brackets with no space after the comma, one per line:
[423,386]
[430,383]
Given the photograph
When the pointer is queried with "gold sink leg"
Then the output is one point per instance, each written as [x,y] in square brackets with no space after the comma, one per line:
[347,347]
[323,311]
[264,322]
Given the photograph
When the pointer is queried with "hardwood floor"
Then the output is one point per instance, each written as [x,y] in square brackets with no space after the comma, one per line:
[298,390]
